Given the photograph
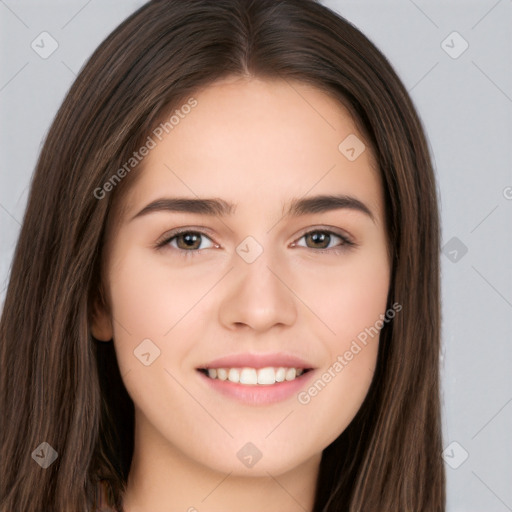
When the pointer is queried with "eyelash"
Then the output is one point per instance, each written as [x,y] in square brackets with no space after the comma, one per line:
[346,243]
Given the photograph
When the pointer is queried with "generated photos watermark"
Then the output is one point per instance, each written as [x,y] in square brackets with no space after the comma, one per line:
[158,133]
[304,397]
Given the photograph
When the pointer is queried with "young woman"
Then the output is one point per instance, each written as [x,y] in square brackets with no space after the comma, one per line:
[225,293]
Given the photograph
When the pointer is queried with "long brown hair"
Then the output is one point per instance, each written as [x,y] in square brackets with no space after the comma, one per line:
[62,387]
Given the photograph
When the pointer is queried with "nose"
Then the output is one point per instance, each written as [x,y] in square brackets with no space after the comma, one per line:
[258,295]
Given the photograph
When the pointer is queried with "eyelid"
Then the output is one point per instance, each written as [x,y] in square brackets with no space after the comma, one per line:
[166,238]
[347,239]
[344,235]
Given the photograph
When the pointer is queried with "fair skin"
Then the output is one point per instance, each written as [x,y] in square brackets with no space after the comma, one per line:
[257,144]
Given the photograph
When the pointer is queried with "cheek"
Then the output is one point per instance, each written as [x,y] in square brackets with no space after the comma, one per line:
[153,312]
[348,296]
[331,401]
[148,297]
[351,308]
[146,306]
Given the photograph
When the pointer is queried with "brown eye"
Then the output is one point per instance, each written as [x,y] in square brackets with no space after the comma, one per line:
[322,239]
[190,240]
[186,241]
[319,239]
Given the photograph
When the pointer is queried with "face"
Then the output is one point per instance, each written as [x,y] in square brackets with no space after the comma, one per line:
[260,291]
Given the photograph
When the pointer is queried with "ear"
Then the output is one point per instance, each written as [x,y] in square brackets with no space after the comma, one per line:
[101,321]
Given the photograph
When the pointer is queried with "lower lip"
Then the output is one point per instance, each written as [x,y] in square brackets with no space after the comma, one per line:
[258,394]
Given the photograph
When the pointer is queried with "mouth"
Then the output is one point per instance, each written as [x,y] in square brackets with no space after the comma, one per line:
[248,376]
[257,379]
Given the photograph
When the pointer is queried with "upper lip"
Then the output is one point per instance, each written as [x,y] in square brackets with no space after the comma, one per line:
[252,360]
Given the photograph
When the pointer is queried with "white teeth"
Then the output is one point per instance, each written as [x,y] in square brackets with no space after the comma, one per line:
[290,373]
[248,376]
[252,376]
[234,375]
[266,376]
[280,374]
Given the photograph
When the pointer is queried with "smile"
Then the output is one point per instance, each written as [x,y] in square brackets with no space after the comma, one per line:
[254,376]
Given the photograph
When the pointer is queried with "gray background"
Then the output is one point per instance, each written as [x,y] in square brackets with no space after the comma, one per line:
[466,107]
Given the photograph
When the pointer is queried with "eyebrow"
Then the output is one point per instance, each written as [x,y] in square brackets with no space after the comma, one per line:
[219,207]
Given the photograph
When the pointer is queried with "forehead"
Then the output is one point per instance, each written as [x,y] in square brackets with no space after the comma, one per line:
[254,140]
